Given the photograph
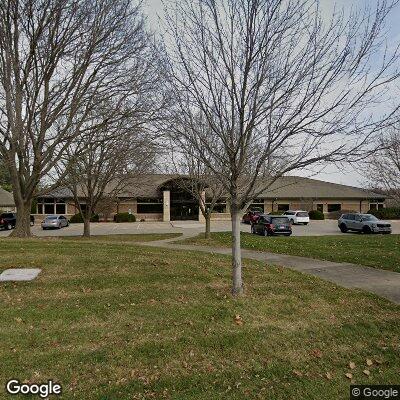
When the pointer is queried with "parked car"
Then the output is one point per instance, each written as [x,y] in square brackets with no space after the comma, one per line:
[55,222]
[298,216]
[8,220]
[366,223]
[269,225]
[252,215]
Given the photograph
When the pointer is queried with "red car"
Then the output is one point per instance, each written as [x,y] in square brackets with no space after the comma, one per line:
[252,216]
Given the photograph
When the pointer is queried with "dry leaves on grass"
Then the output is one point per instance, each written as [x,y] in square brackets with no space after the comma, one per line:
[328,376]
[352,365]
[316,353]
[238,320]
[349,375]
[366,372]
[369,362]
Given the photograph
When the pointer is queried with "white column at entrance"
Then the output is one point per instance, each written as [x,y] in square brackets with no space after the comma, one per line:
[166,206]
[201,216]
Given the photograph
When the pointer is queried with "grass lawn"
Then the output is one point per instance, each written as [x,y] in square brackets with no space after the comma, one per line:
[140,237]
[118,321]
[377,251]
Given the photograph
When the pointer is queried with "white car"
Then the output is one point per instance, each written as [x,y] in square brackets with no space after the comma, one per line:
[297,217]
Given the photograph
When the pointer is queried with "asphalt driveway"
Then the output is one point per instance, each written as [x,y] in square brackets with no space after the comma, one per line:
[315,228]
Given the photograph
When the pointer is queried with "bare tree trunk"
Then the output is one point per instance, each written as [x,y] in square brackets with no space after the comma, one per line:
[237,288]
[23,224]
[208,226]
[86,226]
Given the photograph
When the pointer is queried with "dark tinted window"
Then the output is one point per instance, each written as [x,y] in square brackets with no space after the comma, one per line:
[7,215]
[349,217]
[280,220]
[289,213]
[283,207]
[334,207]
[51,218]
[369,217]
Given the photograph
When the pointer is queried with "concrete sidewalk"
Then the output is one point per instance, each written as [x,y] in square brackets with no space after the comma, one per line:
[381,282]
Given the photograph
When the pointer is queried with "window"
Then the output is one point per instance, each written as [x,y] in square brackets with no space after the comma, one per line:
[47,205]
[320,207]
[283,207]
[147,205]
[289,213]
[334,207]
[350,217]
[60,208]
[49,208]
[375,206]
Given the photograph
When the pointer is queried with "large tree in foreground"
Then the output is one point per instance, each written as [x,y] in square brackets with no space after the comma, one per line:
[280,87]
[58,60]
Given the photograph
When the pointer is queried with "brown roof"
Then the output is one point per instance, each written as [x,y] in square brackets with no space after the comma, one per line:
[6,199]
[299,187]
[286,187]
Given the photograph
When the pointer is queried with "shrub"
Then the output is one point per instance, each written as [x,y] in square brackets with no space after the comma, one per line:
[124,217]
[386,213]
[316,215]
[77,218]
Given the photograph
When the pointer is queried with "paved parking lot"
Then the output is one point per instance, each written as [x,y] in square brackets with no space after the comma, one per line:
[315,228]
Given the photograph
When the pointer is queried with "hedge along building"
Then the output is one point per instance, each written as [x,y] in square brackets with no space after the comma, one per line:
[160,197]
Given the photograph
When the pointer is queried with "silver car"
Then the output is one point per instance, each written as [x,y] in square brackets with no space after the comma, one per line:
[54,222]
[366,223]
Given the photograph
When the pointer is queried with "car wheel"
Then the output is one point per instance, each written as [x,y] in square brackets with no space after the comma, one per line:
[366,230]
[287,234]
[343,228]
[253,230]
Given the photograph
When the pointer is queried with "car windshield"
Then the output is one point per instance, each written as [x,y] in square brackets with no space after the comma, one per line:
[369,218]
[280,220]
[51,218]
[302,214]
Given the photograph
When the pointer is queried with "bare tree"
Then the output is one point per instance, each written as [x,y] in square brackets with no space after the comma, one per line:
[280,88]
[58,59]
[383,166]
[103,163]
[201,183]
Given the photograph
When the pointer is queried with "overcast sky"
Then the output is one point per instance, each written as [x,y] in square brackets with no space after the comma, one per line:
[345,174]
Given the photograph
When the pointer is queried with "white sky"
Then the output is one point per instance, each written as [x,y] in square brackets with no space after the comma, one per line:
[345,174]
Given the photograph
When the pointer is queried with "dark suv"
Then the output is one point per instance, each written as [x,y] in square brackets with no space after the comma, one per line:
[366,223]
[269,225]
[9,219]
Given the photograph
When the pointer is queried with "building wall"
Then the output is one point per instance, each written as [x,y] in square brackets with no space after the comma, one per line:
[269,206]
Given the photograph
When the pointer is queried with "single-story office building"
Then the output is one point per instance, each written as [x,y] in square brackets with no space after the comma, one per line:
[159,197]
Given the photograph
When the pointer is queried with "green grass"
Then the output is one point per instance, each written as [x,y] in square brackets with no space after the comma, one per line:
[117,321]
[377,251]
[140,237]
